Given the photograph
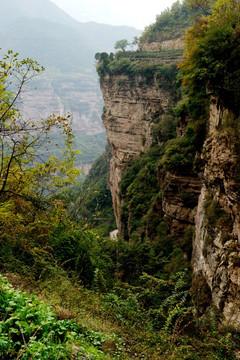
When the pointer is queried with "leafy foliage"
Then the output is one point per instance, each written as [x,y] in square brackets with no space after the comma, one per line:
[22,171]
[141,285]
[29,329]
[180,154]
[171,23]
[138,187]
[91,201]
[121,44]
[212,54]
[164,75]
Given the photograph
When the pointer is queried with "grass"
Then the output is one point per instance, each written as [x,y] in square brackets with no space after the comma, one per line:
[108,336]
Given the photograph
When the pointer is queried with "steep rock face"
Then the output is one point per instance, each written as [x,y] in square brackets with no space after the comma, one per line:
[130,111]
[180,197]
[129,114]
[216,246]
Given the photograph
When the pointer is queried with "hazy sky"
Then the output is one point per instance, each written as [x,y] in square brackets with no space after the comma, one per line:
[137,13]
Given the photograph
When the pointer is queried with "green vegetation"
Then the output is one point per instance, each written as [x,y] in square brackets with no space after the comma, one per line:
[30,329]
[212,54]
[162,74]
[180,153]
[121,44]
[91,201]
[145,225]
[160,55]
[127,298]
[23,173]
[171,23]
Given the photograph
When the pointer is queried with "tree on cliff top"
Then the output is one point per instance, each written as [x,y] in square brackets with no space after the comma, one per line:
[121,44]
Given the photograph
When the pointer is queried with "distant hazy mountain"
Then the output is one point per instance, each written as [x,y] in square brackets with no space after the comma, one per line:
[65,47]
[56,46]
[43,9]
[104,36]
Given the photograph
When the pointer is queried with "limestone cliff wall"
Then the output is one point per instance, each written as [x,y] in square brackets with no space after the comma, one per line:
[129,114]
[180,198]
[216,255]
[210,200]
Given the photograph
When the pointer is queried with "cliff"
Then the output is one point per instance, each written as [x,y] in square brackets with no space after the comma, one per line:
[216,244]
[181,192]
[208,200]
[130,112]
[170,44]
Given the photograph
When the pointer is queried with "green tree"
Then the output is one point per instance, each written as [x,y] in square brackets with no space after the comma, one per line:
[121,44]
[29,174]
[212,54]
[24,171]
[203,5]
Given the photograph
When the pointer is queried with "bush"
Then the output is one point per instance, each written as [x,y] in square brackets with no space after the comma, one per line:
[82,254]
[180,153]
[170,24]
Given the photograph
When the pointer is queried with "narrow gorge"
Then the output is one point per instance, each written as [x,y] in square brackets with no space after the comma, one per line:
[196,171]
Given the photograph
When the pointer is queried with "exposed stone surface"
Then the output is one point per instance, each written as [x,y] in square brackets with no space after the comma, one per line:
[129,114]
[130,111]
[181,197]
[216,247]
[177,43]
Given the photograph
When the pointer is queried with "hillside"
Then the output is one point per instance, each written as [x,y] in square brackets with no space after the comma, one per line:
[169,28]
[104,36]
[57,47]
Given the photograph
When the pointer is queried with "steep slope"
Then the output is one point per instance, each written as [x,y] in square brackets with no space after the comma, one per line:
[168,30]
[128,119]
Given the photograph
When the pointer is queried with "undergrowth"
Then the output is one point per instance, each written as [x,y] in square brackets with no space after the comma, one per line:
[30,330]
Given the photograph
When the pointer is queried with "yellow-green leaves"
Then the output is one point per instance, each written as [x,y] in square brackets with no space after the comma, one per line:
[213,52]
[29,173]
[26,164]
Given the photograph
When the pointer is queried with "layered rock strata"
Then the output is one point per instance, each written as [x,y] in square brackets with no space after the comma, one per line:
[210,202]
[180,198]
[131,109]
[216,247]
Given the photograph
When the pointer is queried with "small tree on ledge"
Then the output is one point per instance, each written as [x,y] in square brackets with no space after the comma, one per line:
[121,44]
